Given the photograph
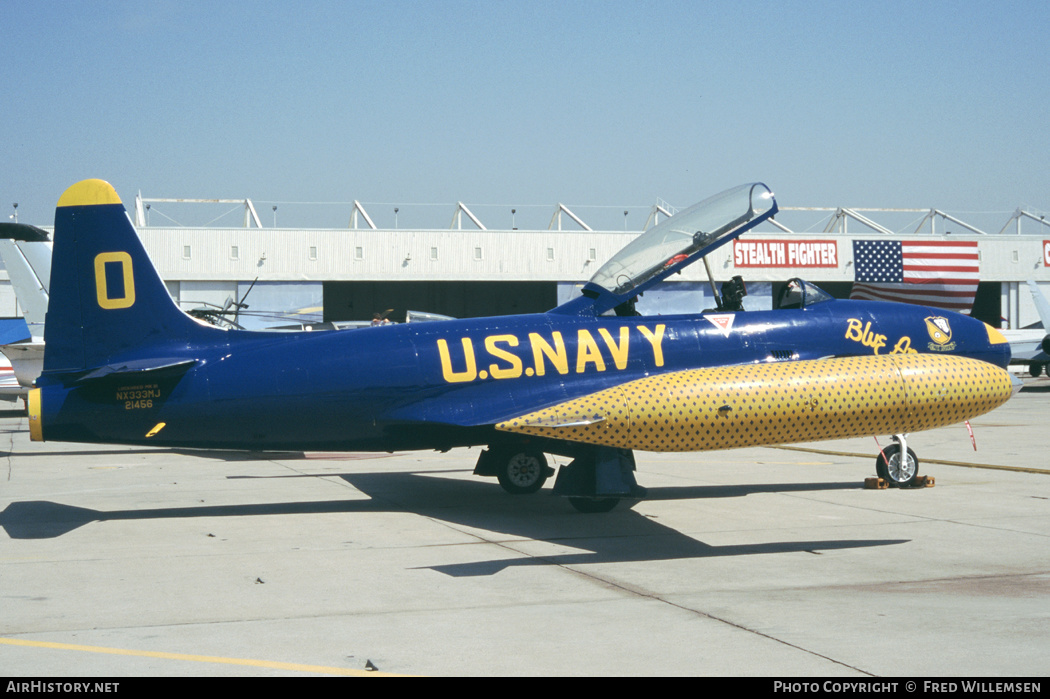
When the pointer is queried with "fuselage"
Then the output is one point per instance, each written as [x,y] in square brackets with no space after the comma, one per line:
[446,383]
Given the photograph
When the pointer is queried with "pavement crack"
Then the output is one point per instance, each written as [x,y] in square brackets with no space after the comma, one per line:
[713,617]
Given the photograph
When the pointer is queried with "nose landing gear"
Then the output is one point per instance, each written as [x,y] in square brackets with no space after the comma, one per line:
[897,471]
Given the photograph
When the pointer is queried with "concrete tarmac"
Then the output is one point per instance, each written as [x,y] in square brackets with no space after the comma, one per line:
[118,562]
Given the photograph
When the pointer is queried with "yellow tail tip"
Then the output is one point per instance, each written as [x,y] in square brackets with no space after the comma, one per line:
[89,193]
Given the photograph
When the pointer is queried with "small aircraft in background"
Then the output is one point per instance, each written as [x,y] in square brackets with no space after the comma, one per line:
[13,331]
[1031,346]
[590,380]
[26,252]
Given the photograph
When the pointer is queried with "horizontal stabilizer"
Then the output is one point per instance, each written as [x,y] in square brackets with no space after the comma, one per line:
[154,367]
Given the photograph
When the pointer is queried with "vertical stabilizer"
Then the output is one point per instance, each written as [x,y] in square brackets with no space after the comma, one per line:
[1042,306]
[28,264]
[106,298]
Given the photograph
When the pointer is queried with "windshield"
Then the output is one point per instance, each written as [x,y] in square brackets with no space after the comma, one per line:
[664,247]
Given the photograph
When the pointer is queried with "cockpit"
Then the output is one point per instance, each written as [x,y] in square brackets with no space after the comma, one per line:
[798,293]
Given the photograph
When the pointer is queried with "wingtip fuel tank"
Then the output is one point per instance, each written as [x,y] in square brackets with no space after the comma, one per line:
[776,403]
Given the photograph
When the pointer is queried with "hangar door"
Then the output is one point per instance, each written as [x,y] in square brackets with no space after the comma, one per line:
[359,300]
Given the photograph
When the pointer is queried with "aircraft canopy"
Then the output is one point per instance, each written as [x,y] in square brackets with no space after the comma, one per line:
[669,246]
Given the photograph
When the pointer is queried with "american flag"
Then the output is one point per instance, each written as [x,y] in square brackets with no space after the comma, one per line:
[941,273]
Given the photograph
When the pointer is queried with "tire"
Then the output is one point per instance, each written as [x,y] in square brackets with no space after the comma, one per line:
[594,505]
[889,468]
[1036,369]
[521,472]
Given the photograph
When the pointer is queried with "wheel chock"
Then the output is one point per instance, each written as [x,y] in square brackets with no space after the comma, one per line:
[874,483]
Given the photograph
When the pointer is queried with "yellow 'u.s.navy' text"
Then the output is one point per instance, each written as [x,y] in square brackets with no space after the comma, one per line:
[545,354]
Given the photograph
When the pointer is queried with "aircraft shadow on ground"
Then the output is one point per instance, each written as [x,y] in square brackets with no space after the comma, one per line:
[217,454]
[618,536]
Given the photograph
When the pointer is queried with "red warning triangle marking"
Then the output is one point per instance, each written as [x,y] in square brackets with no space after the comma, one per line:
[722,321]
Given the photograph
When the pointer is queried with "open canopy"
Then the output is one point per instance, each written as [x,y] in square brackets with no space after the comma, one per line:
[676,243]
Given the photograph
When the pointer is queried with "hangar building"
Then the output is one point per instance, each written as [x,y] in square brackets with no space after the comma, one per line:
[468,270]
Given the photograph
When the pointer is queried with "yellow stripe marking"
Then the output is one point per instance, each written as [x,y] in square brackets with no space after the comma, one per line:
[294,667]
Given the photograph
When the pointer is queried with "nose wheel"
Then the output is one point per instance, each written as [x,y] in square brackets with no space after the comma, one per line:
[898,472]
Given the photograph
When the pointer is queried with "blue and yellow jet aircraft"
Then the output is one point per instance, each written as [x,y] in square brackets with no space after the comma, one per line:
[590,380]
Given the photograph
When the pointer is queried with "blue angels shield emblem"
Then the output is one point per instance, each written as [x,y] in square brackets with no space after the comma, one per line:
[940,331]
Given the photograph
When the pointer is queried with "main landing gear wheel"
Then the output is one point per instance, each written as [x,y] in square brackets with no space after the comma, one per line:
[891,469]
[594,505]
[522,472]
[1036,369]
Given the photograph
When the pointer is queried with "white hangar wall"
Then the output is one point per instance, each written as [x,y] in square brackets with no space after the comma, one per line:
[379,255]
[208,261]
[210,265]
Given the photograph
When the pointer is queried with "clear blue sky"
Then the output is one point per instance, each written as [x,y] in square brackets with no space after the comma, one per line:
[893,104]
